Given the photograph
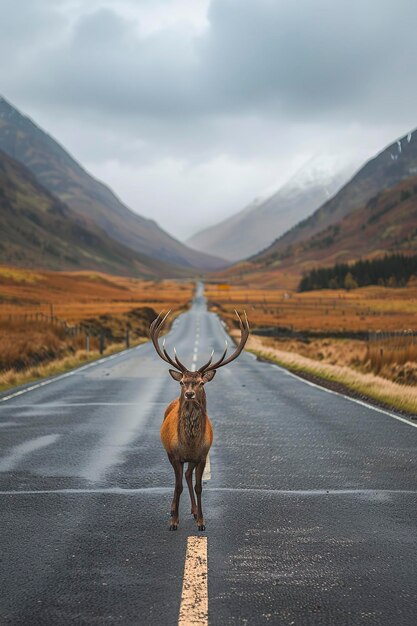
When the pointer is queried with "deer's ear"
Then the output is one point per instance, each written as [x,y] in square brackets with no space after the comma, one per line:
[208,376]
[176,375]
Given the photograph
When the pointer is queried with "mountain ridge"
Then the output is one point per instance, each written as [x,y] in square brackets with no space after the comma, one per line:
[390,166]
[38,230]
[257,225]
[23,140]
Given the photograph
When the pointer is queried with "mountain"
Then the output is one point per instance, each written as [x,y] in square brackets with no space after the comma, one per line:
[39,230]
[394,164]
[58,172]
[259,224]
[387,223]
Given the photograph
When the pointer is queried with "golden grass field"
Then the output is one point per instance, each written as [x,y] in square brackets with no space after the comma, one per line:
[325,333]
[398,395]
[75,296]
[321,332]
[32,346]
[359,310]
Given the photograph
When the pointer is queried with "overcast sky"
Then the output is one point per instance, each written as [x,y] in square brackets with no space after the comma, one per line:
[189,109]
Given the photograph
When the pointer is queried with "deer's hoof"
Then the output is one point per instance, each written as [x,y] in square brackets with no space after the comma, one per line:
[201,527]
[173,527]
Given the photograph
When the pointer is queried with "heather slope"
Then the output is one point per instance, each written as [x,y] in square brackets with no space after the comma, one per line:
[391,166]
[56,170]
[39,230]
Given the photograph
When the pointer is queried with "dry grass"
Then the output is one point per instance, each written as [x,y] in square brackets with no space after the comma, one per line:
[30,348]
[12,378]
[399,396]
[394,357]
[399,366]
[24,344]
[74,296]
[327,311]
[325,333]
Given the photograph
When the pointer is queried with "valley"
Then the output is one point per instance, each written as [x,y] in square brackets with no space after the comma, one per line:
[104,271]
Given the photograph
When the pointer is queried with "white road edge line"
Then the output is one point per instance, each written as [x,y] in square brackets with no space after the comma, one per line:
[342,395]
[194,596]
[71,373]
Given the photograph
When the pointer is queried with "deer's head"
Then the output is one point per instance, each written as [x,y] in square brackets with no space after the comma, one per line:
[192,383]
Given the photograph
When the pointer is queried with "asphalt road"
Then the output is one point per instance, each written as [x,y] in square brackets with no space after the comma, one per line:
[310,507]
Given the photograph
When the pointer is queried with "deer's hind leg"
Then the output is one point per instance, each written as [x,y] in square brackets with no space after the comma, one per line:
[198,489]
[178,469]
[189,479]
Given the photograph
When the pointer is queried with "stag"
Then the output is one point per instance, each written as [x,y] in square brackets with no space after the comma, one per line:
[186,431]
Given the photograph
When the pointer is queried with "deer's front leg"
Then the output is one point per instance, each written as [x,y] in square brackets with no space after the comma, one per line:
[178,469]
[198,489]
[189,479]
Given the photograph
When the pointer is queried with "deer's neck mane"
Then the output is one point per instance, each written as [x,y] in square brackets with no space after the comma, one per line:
[192,417]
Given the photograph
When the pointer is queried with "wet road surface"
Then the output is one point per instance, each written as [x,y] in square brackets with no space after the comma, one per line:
[310,504]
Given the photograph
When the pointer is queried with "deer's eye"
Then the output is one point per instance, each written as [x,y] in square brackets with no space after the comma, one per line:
[181,383]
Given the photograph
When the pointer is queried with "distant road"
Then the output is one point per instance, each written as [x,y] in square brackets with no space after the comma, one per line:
[310,503]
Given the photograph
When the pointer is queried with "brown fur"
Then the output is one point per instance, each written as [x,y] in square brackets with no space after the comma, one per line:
[187,434]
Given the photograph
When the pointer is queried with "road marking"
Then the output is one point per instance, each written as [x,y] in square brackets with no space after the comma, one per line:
[342,395]
[120,491]
[194,597]
[194,360]
[17,453]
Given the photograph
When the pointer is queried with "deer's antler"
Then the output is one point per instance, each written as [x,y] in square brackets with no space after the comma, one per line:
[244,334]
[154,330]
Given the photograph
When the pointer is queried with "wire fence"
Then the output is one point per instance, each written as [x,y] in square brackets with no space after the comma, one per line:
[71,330]
[393,340]
[393,347]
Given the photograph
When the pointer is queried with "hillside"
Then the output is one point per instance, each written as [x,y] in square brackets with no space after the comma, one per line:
[259,224]
[394,164]
[386,223]
[58,172]
[38,230]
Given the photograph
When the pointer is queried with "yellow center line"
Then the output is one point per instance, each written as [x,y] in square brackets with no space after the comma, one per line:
[194,597]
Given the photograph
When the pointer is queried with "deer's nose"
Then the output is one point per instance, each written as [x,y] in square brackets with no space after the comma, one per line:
[189,394]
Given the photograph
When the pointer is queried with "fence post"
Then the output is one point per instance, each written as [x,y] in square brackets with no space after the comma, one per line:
[87,342]
[101,341]
[127,338]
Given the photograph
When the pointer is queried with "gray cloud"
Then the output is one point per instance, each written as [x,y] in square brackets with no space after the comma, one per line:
[213,88]
[284,58]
